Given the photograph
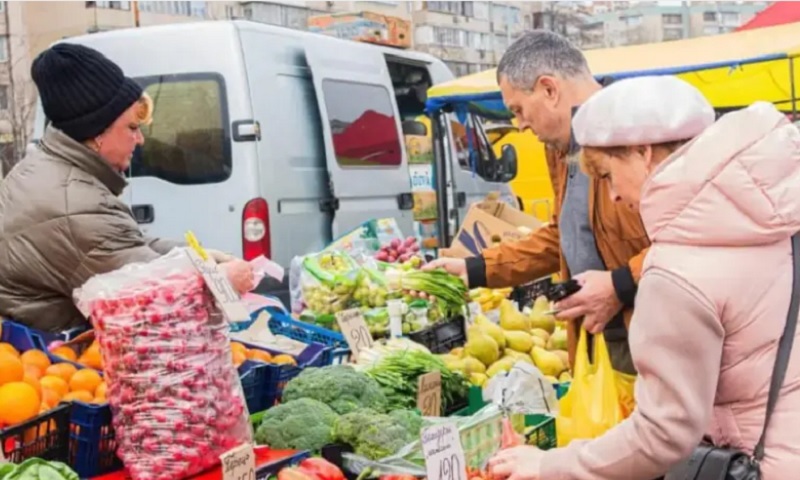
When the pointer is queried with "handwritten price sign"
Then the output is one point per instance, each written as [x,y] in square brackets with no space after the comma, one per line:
[239,463]
[228,300]
[429,394]
[355,330]
[444,455]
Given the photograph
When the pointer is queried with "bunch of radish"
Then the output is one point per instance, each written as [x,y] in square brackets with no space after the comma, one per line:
[399,251]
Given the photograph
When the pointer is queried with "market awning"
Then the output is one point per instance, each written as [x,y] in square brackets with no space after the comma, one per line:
[779,13]
[732,70]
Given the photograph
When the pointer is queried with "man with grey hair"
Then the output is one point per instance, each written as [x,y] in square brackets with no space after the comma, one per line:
[592,238]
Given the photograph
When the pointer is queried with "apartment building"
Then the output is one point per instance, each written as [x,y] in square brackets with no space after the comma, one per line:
[613,24]
[27,28]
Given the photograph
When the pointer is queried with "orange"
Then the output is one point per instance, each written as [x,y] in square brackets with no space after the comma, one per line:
[35,357]
[236,346]
[85,380]
[50,397]
[33,382]
[33,371]
[11,369]
[63,370]
[57,384]
[284,360]
[7,347]
[79,395]
[91,357]
[100,392]
[66,353]
[238,357]
[260,356]
[18,402]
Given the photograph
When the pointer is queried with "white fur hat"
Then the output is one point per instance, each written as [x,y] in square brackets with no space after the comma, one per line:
[642,111]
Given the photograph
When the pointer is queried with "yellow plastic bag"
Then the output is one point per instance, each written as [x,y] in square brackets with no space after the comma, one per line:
[592,405]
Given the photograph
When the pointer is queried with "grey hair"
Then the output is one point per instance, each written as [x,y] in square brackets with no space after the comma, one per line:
[541,52]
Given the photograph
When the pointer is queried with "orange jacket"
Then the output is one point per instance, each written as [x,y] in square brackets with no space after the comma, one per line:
[619,234]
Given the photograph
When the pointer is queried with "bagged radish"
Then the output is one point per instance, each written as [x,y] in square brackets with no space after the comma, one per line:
[174,392]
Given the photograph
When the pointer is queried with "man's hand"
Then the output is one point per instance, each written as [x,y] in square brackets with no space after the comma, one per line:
[453,266]
[517,463]
[596,301]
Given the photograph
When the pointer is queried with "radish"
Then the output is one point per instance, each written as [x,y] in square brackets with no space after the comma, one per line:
[395,243]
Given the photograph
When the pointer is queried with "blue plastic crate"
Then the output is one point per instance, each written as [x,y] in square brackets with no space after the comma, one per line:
[282,324]
[93,447]
[266,471]
[48,337]
[263,383]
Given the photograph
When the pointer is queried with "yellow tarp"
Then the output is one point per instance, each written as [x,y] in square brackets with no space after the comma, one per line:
[709,63]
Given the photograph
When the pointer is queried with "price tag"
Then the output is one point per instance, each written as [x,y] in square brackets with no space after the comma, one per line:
[429,394]
[239,463]
[355,330]
[444,455]
[228,300]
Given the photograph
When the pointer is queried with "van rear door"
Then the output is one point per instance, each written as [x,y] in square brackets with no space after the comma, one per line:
[365,154]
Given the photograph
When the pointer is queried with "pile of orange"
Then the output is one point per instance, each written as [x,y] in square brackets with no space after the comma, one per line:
[30,384]
[90,357]
[241,353]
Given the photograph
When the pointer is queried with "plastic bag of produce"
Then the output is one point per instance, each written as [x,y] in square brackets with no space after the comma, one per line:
[369,236]
[174,392]
[327,281]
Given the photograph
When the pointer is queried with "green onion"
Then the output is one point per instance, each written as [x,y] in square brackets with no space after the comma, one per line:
[448,289]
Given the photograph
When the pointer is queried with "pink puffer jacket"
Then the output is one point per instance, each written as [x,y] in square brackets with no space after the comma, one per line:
[711,306]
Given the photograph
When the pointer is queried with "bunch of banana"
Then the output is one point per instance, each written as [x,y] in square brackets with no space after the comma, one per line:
[489,298]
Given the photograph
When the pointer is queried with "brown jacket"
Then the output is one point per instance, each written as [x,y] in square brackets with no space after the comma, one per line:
[61,222]
[619,234]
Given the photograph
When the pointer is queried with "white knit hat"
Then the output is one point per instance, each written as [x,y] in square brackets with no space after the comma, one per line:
[642,111]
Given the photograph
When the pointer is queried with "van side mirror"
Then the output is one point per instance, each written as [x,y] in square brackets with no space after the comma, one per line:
[413,127]
[508,163]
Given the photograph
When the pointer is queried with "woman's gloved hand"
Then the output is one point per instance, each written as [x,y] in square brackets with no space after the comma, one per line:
[220,256]
[240,274]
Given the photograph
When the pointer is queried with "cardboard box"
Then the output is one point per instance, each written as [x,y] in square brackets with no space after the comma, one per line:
[486,223]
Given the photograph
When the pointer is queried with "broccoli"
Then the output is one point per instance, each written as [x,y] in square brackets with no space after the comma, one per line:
[374,435]
[304,424]
[339,386]
[409,419]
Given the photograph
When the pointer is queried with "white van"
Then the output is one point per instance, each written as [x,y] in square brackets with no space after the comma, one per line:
[269,140]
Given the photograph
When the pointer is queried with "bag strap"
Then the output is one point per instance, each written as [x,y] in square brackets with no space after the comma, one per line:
[784,348]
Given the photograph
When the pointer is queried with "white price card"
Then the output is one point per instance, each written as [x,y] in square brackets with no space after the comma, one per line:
[226,296]
[239,463]
[355,330]
[444,454]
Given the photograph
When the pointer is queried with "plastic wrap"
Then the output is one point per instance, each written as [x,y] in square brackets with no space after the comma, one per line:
[328,281]
[174,392]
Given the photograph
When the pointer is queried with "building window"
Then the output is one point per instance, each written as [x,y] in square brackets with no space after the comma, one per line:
[2,7]
[712,30]
[672,18]
[110,5]
[4,49]
[449,37]
[673,34]
[632,20]
[452,8]
[459,69]
[730,18]
[277,14]
[4,97]
[188,144]
[709,16]
[362,123]
[185,9]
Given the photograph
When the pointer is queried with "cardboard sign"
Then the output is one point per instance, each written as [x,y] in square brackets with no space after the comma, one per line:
[355,330]
[239,463]
[444,455]
[228,300]
[429,394]
[487,223]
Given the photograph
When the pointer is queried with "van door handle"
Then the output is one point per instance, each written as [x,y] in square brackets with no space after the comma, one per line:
[144,213]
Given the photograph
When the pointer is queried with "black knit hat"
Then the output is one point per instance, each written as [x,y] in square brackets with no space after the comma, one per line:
[82,91]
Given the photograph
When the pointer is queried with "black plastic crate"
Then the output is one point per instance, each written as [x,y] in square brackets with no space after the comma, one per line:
[526,294]
[45,436]
[442,337]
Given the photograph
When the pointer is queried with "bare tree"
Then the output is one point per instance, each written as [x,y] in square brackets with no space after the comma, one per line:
[19,108]
[565,18]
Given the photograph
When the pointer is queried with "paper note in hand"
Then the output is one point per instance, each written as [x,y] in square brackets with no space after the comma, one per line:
[228,300]
[239,463]
[355,330]
[444,455]
[429,394]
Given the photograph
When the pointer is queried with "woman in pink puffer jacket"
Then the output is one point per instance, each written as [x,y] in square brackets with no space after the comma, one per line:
[720,202]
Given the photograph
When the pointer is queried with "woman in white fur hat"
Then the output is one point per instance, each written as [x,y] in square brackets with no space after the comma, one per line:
[720,202]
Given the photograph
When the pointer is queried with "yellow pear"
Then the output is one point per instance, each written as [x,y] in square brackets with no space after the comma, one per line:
[563,355]
[456,365]
[478,379]
[541,304]
[519,341]
[491,329]
[483,347]
[551,379]
[518,356]
[565,377]
[513,319]
[548,362]
[502,365]
[538,342]
[558,340]
[543,334]
[457,352]
[473,365]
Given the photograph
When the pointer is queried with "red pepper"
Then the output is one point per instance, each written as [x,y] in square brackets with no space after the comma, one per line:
[398,476]
[293,473]
[321,469]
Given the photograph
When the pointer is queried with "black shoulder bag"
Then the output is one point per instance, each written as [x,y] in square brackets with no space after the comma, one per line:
[709,462]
